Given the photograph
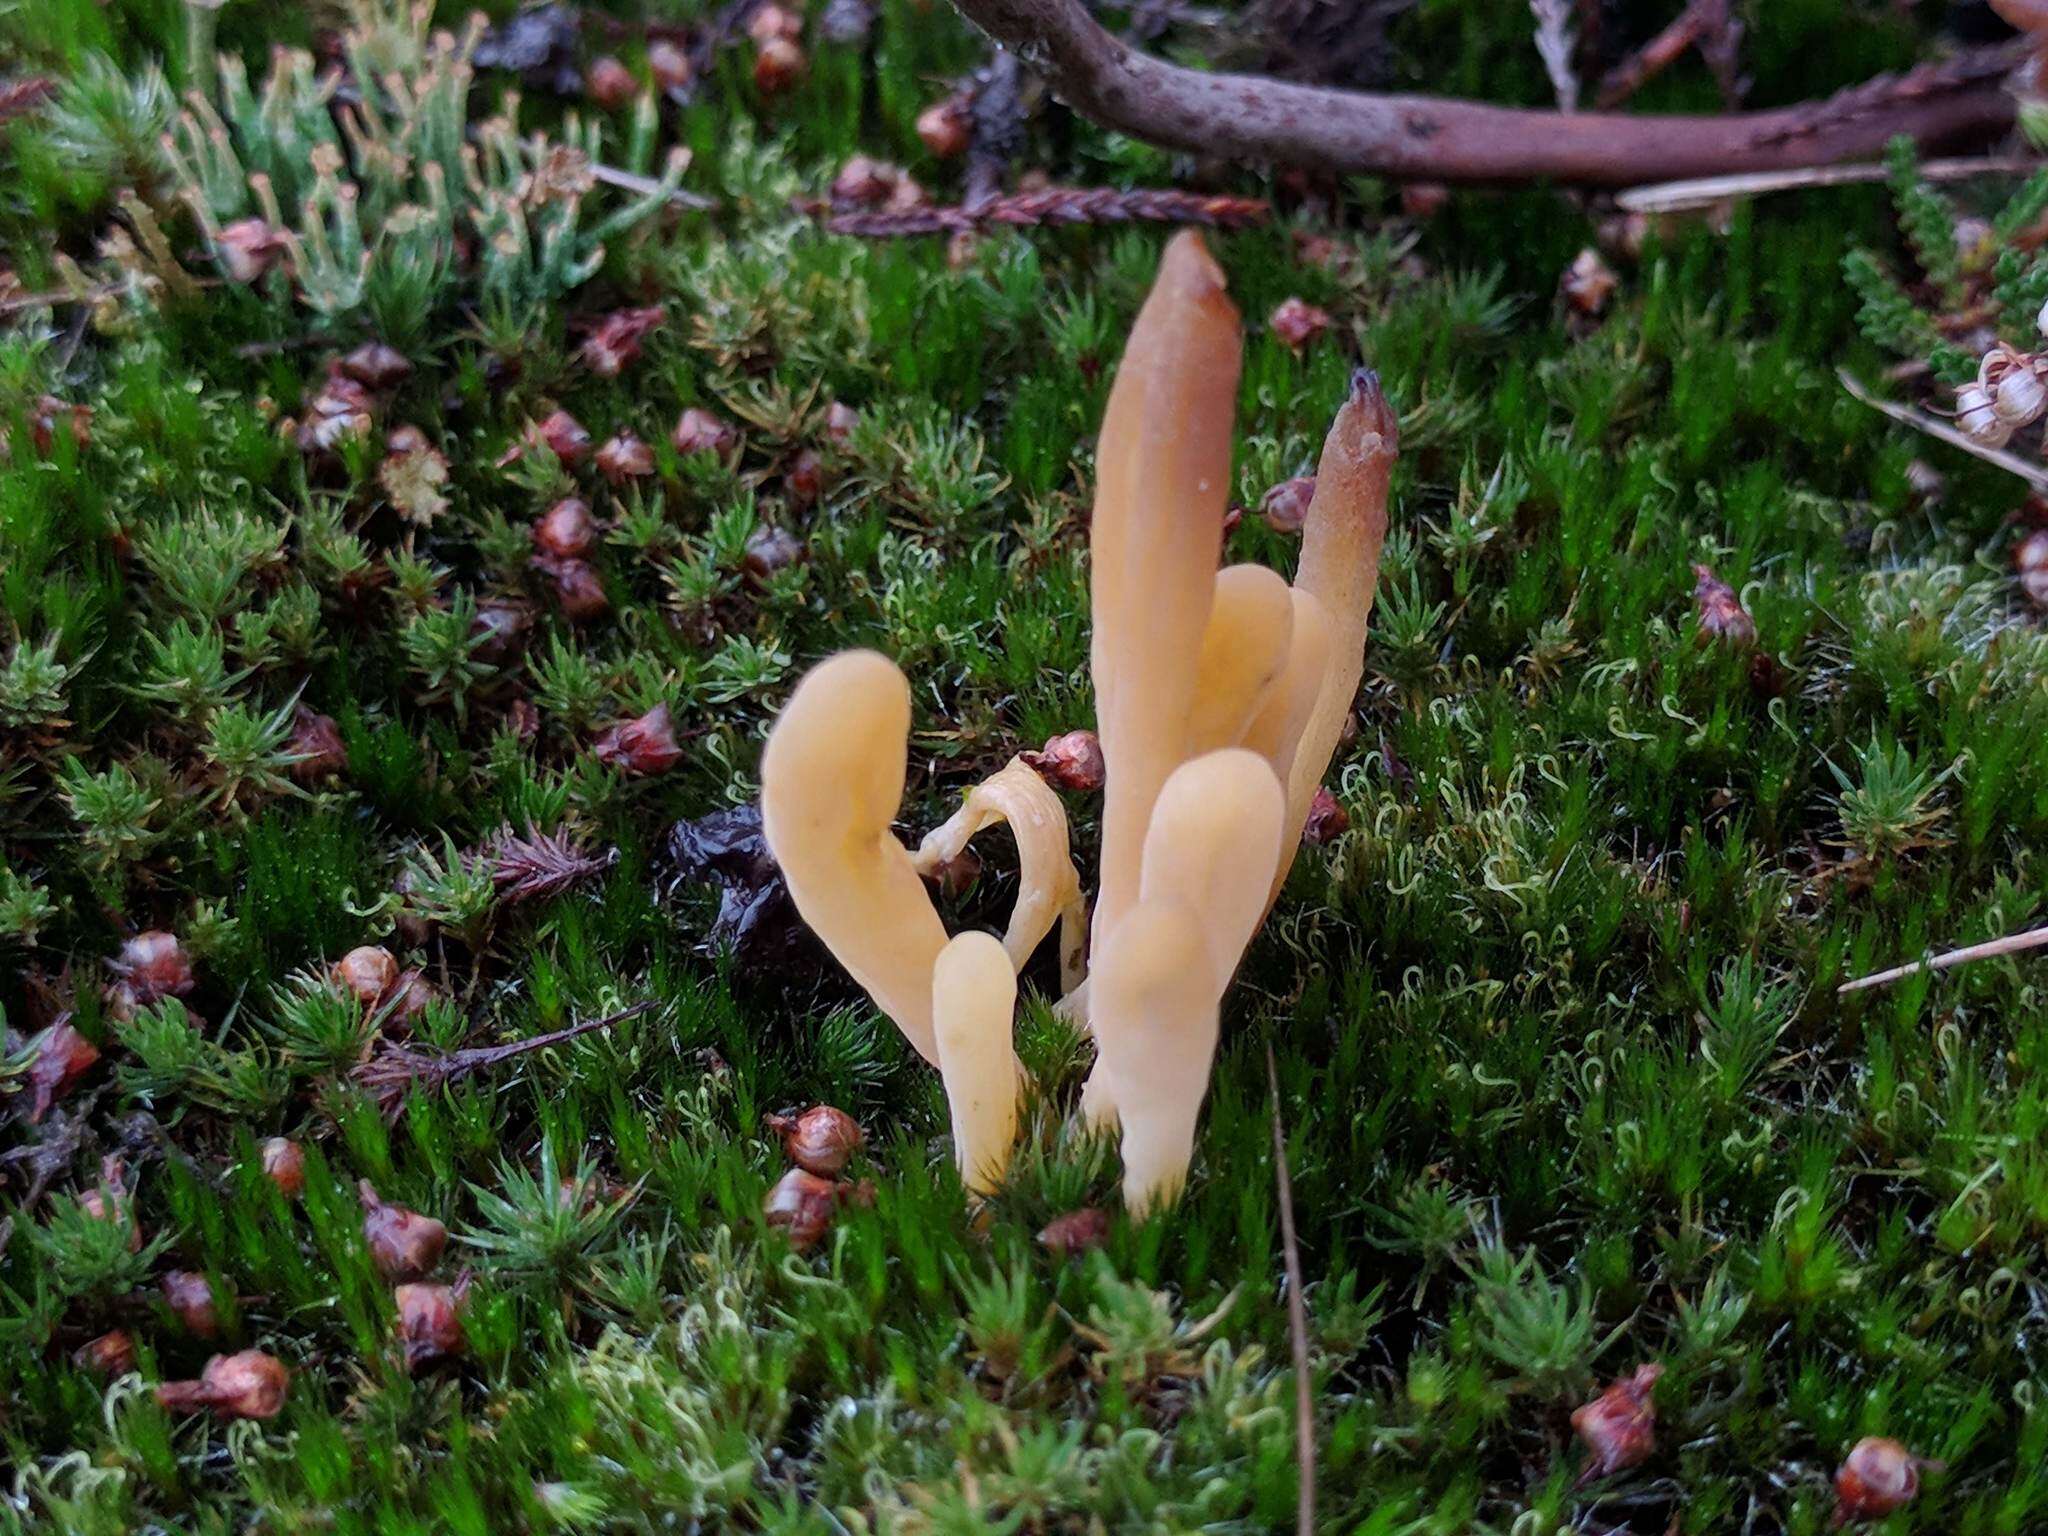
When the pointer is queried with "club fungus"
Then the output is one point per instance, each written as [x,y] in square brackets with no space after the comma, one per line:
[1221,697]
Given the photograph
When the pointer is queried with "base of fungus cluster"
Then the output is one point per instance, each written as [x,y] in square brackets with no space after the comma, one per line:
[1221,694]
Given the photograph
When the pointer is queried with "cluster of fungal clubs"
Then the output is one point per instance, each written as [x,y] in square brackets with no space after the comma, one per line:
[2009,394]
[819,1142]
[1221,697]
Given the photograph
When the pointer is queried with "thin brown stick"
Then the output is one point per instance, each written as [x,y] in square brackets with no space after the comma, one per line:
[1250,118]
[1658,54]
[1055,205]
[1705,191]
[1934,427]
[1297,1318]
[2011,944]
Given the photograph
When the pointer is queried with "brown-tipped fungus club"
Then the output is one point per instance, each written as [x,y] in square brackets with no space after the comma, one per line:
[1221,696]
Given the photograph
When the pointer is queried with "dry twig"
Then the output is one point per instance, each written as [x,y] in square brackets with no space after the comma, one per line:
[1933,426]
[1297,1318]
[1250,118]
[393,1071]
[1692,25]
[1706,191]
[2011,944]
[1055,205]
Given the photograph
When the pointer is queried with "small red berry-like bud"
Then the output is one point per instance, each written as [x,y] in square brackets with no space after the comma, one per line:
[1876,1477]
[248,248]
[1075,1232]
[1327,820]
[338,411]
[566,436]
[821,1140]
[63,1056]
[1619,1427]
[772,21]
[840,420]
[406,1001]
[701,431]
[804,480]
[403,1244]
[108,1201]
[801,1205]
[778,65]
[1073,761]
[771,549]
[1423,199]
[367,973]
[1588,283]
[669,65]
[501,622]
[316,746]
[864,182]
[945,127]
[624,457]
[610,84]
[155,965]
[49,411]
[284,1164]
[615,345]
[376,365]
[2030,560]
[1298,323]
[429,1321]
[641,747]
[1285,506]
[188,1294]
[250,1385]
[566,530]
[1721,614]
[111,1354]
[578,591]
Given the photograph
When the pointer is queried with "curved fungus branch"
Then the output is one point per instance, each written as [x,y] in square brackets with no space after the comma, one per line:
[1049,886]
[831,784]
[1244,649]
[1162,483]
[974,995]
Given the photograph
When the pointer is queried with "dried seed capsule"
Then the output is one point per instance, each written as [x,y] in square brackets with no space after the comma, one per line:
[640,747]
[250,1385]
[1588,283]
[403,1244]
[624,457]
[1297,323]
[1619,1426]
[1978,417]
[1285,506]
[670,66]
[1327,820]
[2030,560]
[1876,1477]
[566,437]
[248,248]
[770,549]
[407,1000]
[615,345]
[801,1205]
[1721,614]
[1075,1232]
[778,65]
[611,85]
[316,746]
[945,127]
[566,530]
[430,1321]
[865,181]
[578,591]
[821,1140]
[63,1056]
[701,431]
[1073,761]
[111,1354]
[284,1164]
[155,965]
[188,1294]
[840,421]
[804,481]
[367,973]
[2020,396]
[376,365]
[773,21]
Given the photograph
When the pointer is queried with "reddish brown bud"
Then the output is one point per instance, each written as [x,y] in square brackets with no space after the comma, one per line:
[1073,761]
[821,1140]
[1588,283]
[63,1056]
[367,973]
[501,621]
[2030,560]
[611,85]
[250,1385]
[566,530]
[669,65]
[316,746]
[566,437]
[188,1294]
[111,1354]
[701,431]
[155,965]
[578,591]
[430,1321]
[865,182]
[801,1205]
[407,1000]
[1876,1477]
[804,480]
[772,21]
[337,412]
[624,457]
[1423,199]
[640,747]
[248,248]
[771,549]
[108,1201]
[1721,614]
[1327,820]
[284,1164]
[1285,506]
[840,420]
[50,411]
[403,1244]
[1298,323]
[375,365]
[1075,1232]
[779,65]
[615,345]
[1619,1427]
[945,127]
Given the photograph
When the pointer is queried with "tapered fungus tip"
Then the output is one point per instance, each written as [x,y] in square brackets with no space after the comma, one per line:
[1189,267]
[1374,411]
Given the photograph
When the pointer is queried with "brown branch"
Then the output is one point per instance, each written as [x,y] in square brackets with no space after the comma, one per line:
[1055,205]
[1659,53]
[1250,118]
[390,1075]
[1297,1319]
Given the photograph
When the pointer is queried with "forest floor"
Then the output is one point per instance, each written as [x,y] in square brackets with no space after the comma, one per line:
[300,653]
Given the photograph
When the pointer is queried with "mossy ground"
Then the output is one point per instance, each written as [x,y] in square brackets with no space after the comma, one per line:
[1566,1083]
